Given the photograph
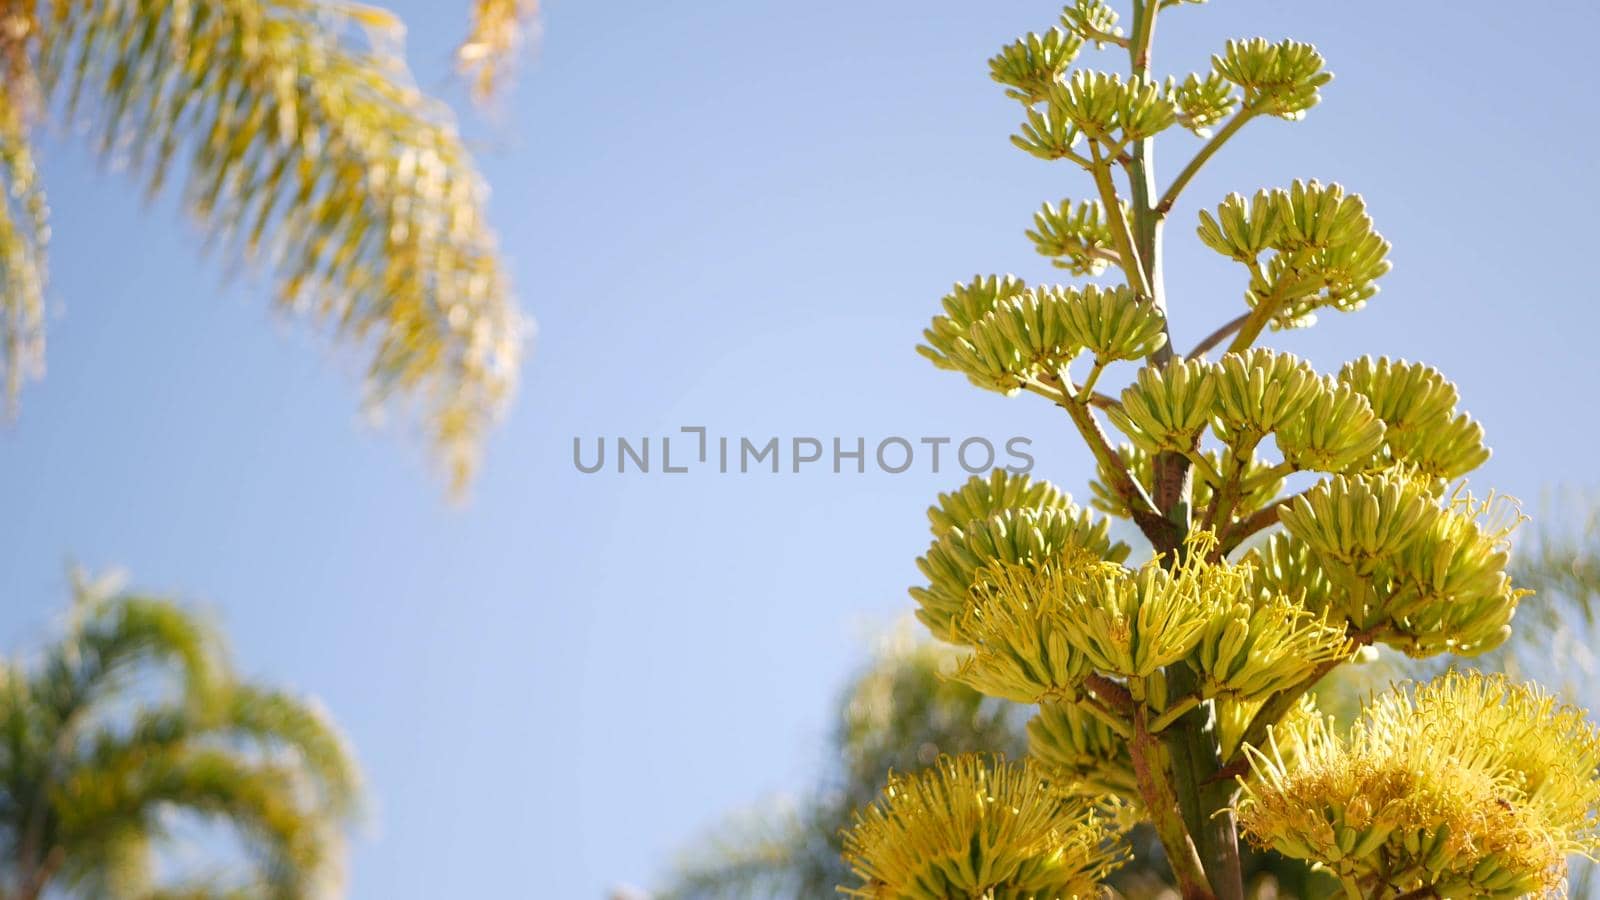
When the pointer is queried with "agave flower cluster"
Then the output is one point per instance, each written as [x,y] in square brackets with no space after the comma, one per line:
[974,827]
[1465,787]
[1176,687]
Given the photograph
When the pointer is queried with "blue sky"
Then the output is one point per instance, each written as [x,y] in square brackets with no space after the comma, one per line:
[738,215]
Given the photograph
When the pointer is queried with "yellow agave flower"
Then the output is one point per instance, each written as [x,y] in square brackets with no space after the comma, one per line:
[1468,786]
[978,827]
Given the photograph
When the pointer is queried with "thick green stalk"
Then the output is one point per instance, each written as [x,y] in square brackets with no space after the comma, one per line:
[1171,469]
[1191,744]
[1166,813]
[1205,799]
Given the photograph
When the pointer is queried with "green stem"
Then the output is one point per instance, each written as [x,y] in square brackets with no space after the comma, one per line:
[1253,325]
[1261,315]
[1144,28]
[1255,523]
[1191,742]
[1033,387]
[1095,708]
[1198,461]
[1165,812]
[1174,712]
[1172,471]
[1153,524]
[1205,801]
[1170,198]
[1225,496]
[1218,336]
[1132,266]
[1092,378]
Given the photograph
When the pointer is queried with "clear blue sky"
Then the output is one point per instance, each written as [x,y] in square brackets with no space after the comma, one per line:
[737,215]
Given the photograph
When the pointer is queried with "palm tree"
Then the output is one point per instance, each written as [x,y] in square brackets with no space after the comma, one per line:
[301,144]
[132,726]
[898,713]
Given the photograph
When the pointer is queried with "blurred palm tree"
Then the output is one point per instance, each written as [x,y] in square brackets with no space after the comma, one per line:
[499,28]
[129,728]
[302,144]
[899,714]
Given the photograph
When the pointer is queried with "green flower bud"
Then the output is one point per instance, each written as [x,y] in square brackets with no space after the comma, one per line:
[955,561]
[1328,255]
[975,826]
[1110,111]
[1131,624]
[1090,18]
[1049,133]
[1463,787]
[1325,252]
[1077,239]
[1242,232]
[1446,452]
[1450,590]
[1202,102]
[1032,336]
[1082,752]
[1234,715]
[1359,522]
[964,305]
[1021,650]
[1111,323]
[1417,406]
[1025,337]
[1257,390]
[1281,79]
[1253,649]
[1335,432]
[1033,64]
[1285,566]
[1406,396]
[1166,408]
[983,496]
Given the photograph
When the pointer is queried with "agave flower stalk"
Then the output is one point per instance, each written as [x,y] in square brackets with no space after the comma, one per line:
[1178,690]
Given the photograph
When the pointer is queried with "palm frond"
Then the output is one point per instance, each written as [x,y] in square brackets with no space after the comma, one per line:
[117,866]
[24,214]
[498,31]
[897,714]
[289,841]
[1563,561]
[112,800]
[305,145]
[133,724]
[116,636]
[758,853]
[277,722]
[257,723]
